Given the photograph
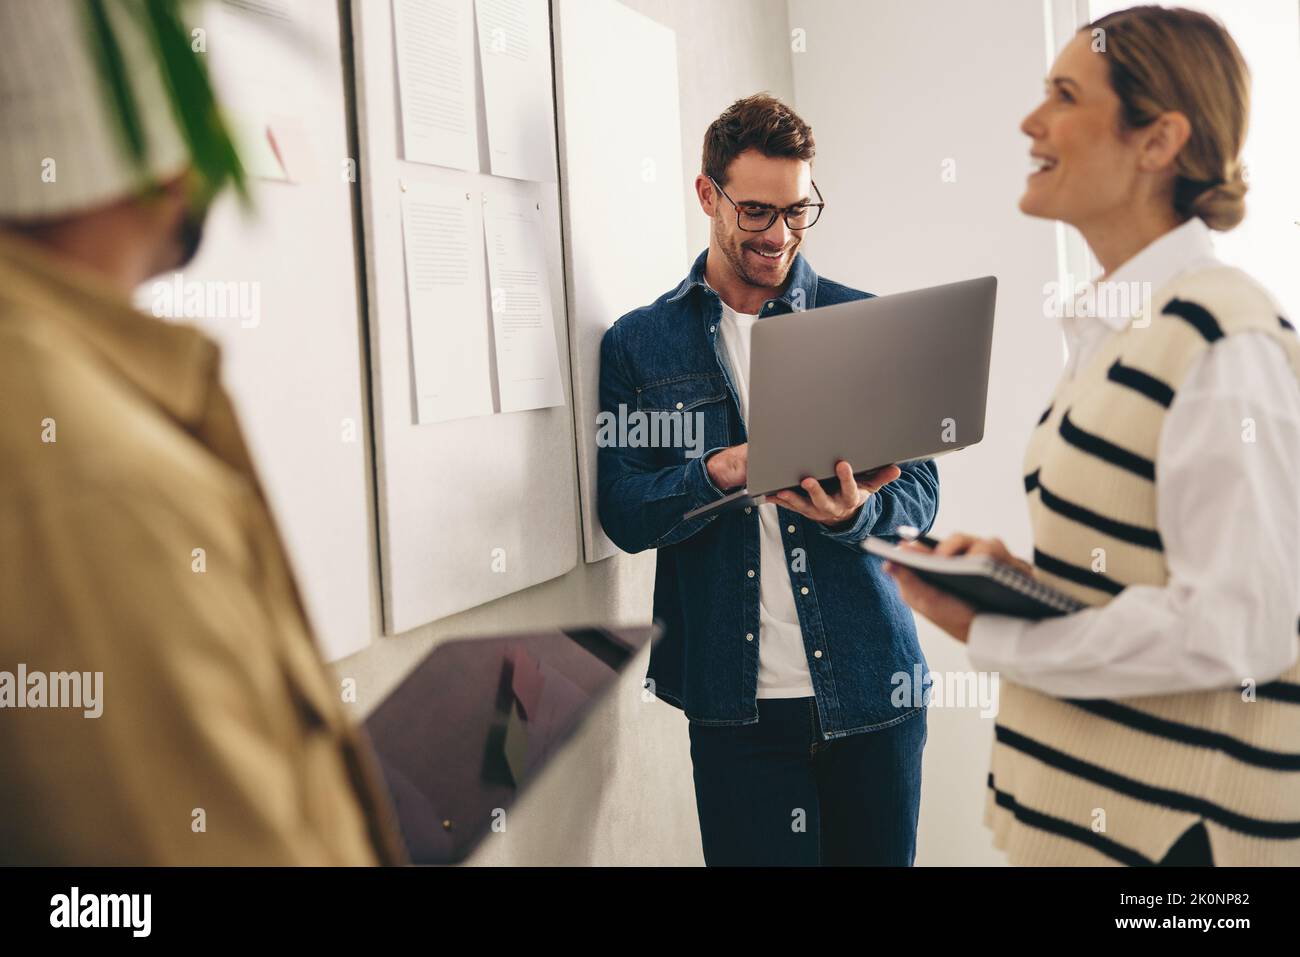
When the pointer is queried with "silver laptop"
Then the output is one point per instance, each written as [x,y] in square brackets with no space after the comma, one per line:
[875,382]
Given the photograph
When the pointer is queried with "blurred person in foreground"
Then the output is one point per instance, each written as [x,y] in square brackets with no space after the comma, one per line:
[215,735]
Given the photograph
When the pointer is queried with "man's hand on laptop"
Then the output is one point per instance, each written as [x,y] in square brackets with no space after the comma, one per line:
[841,509]
[729,468]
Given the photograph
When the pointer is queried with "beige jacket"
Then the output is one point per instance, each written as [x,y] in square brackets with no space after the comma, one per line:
[222,740]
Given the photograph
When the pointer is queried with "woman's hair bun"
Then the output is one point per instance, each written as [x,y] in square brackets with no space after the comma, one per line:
[1223,205]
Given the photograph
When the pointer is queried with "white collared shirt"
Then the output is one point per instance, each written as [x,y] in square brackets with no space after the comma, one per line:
[1228,512]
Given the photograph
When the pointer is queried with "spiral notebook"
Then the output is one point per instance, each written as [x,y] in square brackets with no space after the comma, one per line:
[986,583]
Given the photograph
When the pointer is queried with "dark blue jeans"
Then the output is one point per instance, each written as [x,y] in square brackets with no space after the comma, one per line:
[776,793]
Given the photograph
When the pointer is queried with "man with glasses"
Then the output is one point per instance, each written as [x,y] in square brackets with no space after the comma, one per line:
[790,652]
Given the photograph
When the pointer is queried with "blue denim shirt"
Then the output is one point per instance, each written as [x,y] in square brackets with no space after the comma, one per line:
[665,357]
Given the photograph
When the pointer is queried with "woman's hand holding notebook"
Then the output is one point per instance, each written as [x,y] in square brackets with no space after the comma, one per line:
[1003,585]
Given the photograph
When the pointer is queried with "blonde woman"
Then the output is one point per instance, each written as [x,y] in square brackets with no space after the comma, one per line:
[1162,723]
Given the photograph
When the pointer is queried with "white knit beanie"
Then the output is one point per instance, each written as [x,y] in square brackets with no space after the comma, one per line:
[61,149]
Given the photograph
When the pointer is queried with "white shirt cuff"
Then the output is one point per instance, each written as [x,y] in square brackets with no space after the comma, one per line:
[993,640]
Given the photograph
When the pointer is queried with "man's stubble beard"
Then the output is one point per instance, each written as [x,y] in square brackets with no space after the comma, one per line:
[732,248]
[182,243]
[188,237]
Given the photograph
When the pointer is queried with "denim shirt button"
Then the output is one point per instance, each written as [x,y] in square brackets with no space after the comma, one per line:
[790,529]
[817,653]
[749,636]
[750,573]
[803,590]
[748,510]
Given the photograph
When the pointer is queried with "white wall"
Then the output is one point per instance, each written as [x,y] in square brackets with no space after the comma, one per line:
[894,90]
[726,49]
[622,794]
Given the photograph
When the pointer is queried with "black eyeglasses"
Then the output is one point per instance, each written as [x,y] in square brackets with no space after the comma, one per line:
[756,217]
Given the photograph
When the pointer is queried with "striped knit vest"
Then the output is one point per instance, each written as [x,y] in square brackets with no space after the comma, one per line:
[1118,781]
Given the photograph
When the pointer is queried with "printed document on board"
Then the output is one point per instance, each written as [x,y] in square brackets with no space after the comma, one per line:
[527,363]
[514,38]
[446,303]
[435,81]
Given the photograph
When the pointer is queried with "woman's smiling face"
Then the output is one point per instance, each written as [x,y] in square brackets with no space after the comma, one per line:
[1084,169]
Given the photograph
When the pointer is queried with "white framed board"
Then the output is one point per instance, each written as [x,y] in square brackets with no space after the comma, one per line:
[278,290]
[471,507]
[621,176]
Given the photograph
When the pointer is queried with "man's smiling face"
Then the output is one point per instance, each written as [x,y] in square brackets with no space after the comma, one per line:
[753,180]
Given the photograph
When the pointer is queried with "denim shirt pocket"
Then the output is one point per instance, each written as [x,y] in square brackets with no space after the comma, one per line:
[685,415]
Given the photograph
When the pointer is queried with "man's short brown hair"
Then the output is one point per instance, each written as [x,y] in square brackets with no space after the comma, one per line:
[760,122]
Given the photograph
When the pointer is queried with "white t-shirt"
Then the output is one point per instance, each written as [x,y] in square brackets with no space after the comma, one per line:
[782,660]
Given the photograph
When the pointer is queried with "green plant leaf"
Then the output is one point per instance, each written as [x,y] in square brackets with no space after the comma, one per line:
[112,68]
[213,155]
[193,102]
